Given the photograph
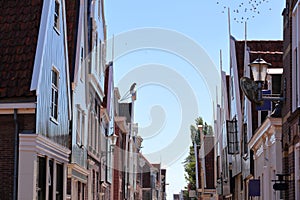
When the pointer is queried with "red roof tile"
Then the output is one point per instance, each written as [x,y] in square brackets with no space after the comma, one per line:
[269,50]
[19,26]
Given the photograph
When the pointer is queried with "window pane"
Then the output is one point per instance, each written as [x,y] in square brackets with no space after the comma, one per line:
[78,127]
[82,129]
[41,182]
[54,95]
[59,181]
[50,180]
[232,139]
[56,15]
[54,78]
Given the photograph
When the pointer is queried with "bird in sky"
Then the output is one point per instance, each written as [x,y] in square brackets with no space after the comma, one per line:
[244,11]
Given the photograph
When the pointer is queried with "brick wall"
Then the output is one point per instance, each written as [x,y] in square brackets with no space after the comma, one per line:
[209,162]
[7,142]
[287,133]
[7,129]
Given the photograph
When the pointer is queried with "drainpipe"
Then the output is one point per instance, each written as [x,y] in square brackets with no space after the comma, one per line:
[16,154]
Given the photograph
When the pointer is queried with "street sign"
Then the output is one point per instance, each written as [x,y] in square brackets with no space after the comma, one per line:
[280,186]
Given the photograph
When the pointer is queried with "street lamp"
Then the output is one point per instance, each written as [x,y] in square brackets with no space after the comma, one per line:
[259,71]
[113,139]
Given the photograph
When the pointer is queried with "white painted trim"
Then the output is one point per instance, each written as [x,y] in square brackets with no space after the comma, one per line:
[275,71]
[296,6]
[66,58]
[23,108]
[121,123]
[79,169]
[20,111]
[39,54]
[262,130]
[44,146]
[17,105]
[96,85]
[54,180]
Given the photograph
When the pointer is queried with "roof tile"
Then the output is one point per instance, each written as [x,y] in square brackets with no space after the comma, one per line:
[19,26]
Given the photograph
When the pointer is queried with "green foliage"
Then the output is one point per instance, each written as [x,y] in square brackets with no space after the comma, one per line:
[199,121]
[190,161]
[189,168]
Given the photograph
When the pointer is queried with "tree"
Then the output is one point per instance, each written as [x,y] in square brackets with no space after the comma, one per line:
[189,168]
[190,172]
[190,161]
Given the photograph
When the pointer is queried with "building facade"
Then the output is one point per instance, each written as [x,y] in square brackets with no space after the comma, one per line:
[35,100]
[290,107]
[241,117]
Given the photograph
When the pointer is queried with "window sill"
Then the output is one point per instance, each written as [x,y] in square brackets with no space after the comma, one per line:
[245,156]
[56,30]
[54,120]
[81,146]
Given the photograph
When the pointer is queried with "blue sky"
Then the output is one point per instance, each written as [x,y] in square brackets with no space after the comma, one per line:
[168,85]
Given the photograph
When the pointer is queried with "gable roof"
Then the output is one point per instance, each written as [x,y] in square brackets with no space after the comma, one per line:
[269,50]
[19,27]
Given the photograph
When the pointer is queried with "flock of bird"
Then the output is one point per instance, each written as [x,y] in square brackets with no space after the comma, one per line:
[243,10]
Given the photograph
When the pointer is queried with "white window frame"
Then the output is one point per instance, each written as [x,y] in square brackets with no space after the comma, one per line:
[56,15]
[295,57]
[90,132]
[99,10]
[54,90]
[99,55]
[78,126]
[96,54]
[82,128]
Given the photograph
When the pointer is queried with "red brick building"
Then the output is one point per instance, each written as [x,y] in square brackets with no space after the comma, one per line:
[291,106]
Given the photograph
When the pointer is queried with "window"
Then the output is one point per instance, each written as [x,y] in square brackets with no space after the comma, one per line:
[56,15]
[245,139]
[99,65]
[59,181]
[50,179]
[80,124]
[41,178]
[82,128]
[82,64]
[231,88]
[99,9]
[78,128]
[54,94]
[232,140]
[96,54]
[225,169]
[94,124]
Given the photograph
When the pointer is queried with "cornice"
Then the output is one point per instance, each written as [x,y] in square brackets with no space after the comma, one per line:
[269,125]
[44,146]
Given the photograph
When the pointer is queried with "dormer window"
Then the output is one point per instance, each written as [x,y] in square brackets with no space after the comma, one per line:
[54,94]
[56,15]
